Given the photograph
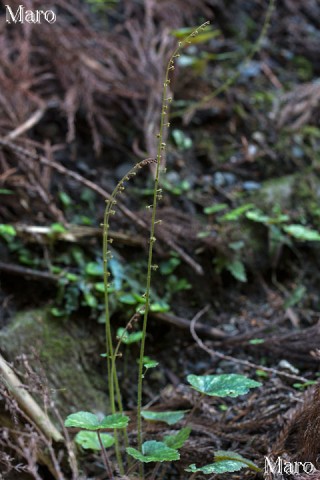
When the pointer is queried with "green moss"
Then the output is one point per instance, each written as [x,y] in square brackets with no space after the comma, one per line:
[64,351]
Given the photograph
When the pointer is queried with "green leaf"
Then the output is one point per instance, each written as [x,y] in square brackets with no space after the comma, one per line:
[225,462]
[6,191]
[260,217]
[57,228]
[65,199]
[153,451]
[236,245]
[224,385]
[302,386]
[302,233]
[295,297]
[85,420]
[160,306]
[128,299]
[221,455]
[115,421]
[219,467]
[90,421]
[169,266]
[237,212]
[149,363]
[257,216]
[57,312]
[90,441]
[182,141]
[89,299]
[237,270]
[168,417]
[128,338]
[99,286]
[7,230]
[94,269]
[72,277]
[117,271]
[179,439]
[217,207]
[256,341]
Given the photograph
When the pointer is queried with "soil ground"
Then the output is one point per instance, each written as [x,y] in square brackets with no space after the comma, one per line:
[236,289]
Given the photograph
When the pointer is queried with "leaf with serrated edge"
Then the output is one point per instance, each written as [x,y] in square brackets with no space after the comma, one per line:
[224,385]
[220,455]
[90,421]
[85,420]
[177,440]
[168,417]
[89,440]
[219,467]
[153,451]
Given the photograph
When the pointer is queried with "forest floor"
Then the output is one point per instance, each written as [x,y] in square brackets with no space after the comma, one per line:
[236,289]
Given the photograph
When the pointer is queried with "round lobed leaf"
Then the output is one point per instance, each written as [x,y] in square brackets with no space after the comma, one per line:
[225,462]
[90,421]
[225,385]
[84,420]
[177,440]
[153,451]
[168,417]
[89,440]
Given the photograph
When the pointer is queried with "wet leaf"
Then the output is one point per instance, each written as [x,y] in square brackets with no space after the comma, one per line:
[225,385]
[128,338]
[168,417]
[179,439]
[90,421]
[237,270]
[225,462]
[153,451]
[302,233]
[89,440]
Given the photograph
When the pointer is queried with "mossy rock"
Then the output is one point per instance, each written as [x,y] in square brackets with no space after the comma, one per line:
[63,350]
[298,193]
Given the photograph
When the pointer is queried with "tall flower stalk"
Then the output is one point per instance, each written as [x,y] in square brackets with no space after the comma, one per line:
[164,123]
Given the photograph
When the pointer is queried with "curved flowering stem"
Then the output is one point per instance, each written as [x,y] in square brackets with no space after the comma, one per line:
[165,107]
[111,354]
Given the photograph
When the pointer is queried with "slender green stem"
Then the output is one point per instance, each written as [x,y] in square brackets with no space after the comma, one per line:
[105,457]
[155,471]
[113,382]
[111,353]
[156,196]
[194,408]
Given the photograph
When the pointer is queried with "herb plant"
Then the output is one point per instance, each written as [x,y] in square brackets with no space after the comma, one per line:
[93,429]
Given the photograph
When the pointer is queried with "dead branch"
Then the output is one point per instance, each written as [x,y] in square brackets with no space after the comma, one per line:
[27,403]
